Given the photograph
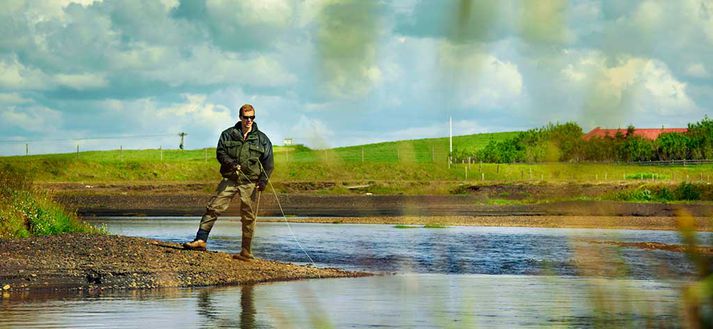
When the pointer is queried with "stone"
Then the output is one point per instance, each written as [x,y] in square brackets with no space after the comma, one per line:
[6,287]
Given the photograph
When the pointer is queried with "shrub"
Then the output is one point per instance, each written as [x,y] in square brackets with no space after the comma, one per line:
[25,211]
[688,191]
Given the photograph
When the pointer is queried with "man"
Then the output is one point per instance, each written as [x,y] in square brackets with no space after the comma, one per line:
[246,162]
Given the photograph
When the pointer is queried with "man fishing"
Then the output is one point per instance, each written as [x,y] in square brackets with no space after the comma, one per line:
[246,162]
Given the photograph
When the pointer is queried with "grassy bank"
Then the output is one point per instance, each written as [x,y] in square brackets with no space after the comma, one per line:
[26,211]
[403,167]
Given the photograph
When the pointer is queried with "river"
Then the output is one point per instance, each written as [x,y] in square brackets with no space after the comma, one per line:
[457,277]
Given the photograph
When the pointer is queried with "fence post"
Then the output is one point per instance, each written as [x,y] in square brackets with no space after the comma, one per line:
[27,149]
[482,176]
[77,150]
[160,148]
[362,155]
[466,172]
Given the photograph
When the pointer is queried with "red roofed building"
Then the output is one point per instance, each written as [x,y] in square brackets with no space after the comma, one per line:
[647,133]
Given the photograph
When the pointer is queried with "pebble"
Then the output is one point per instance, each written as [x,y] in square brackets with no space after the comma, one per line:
[6,287]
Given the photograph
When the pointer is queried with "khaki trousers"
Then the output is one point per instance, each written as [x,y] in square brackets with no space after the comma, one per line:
[225,192]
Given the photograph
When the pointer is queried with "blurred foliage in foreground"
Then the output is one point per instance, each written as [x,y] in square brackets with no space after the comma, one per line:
[25,211]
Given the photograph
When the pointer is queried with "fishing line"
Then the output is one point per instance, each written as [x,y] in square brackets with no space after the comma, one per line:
[284,217]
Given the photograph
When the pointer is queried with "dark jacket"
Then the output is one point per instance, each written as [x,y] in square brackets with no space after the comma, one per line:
[254,154]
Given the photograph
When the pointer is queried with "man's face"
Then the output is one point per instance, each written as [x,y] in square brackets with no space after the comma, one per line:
[247,119]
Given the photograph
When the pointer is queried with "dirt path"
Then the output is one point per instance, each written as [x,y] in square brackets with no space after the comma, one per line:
[91,262]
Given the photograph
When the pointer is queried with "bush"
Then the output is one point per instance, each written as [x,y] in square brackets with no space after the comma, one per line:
[25,212]
[688,191]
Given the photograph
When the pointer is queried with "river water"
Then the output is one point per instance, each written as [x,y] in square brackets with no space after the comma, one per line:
[455,277]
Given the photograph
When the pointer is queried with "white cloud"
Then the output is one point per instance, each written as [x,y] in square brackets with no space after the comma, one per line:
[697,70]
[499,84]
[630,89]
[15,76]
[36,119]
[480,80]
[81,81]
[315,132]
[211,66]
[13,99]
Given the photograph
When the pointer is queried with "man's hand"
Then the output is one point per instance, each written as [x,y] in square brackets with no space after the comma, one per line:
[261,185]
[235,166]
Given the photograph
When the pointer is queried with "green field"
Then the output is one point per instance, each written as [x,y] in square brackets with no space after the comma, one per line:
[401,162]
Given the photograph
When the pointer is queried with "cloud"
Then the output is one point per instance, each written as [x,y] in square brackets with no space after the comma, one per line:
[346,44]
[16,76]
[241,26]
[629,88]
[32,119]
[13,99]
[312,131]
[697,70]
[81,81]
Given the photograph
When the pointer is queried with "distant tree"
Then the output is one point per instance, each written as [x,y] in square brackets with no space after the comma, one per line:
[672,146]
[701,139]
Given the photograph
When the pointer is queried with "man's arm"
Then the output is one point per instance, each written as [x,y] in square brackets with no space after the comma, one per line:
[268,162]
[221,152]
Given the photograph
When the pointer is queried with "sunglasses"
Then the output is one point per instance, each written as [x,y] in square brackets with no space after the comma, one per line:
[252,117]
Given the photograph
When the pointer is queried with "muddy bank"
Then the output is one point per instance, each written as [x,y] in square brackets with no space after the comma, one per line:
[98,262]
[598,222]
[701,250]
[193,204]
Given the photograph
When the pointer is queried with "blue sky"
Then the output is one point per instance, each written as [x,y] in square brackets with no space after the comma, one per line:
[333,73]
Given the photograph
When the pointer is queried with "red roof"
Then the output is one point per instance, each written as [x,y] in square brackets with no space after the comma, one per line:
[648,133]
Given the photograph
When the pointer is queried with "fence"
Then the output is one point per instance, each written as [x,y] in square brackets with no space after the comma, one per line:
[674,163]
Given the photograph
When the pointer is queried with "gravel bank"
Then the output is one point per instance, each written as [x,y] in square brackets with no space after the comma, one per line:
[91,262]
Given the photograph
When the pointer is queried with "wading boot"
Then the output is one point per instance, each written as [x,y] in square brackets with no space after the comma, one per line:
[245,253]
[195,245]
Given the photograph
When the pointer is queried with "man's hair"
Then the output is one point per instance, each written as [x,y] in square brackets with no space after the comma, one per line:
[246,107]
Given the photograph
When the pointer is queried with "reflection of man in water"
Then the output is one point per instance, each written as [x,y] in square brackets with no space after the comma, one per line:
[246,162]
[247,307]
[209,310]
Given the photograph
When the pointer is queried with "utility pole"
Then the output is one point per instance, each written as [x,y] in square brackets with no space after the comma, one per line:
[450,136]
[182,134]
[450,141]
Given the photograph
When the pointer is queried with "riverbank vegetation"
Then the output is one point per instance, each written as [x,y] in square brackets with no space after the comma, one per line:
[26,211]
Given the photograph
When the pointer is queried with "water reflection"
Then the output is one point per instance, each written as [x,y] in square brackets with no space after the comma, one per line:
[211,317]
[404,301]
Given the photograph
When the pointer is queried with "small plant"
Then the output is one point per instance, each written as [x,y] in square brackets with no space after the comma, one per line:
[405,226]
[688,191]
[646,176]
[640,194]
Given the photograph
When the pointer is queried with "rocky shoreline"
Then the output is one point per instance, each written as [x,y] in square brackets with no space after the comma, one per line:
[101,262]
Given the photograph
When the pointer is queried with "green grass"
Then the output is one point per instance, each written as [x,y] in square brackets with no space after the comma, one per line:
[403,167]
[647,176]
[402,226]
[435,226]
[26,211]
